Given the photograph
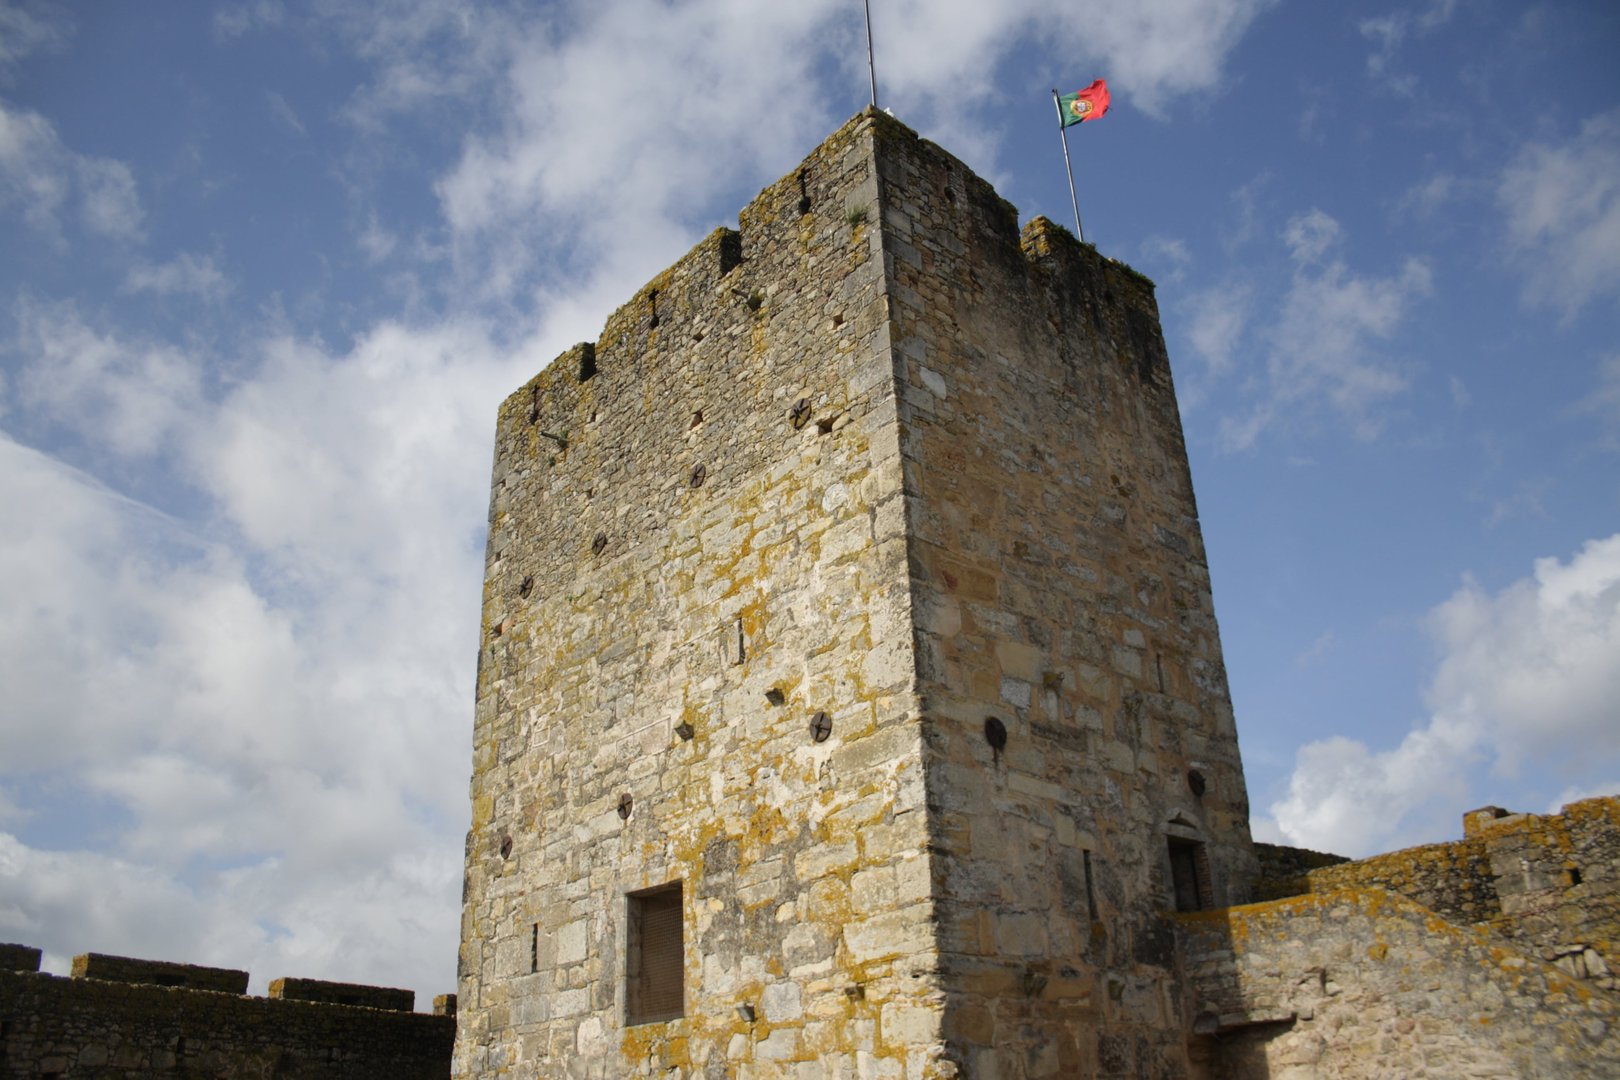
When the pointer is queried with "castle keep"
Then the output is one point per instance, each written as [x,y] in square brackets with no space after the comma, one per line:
[851,704]
[851,707]
[850,689]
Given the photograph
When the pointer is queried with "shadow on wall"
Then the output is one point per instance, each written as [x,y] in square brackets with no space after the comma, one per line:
[117,1016]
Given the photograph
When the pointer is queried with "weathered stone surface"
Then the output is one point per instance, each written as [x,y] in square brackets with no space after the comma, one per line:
[159,973]
[942,479]
[101,1030]
[1547,883]
[19,958]
[338,993]
[1365,983]
[853,580]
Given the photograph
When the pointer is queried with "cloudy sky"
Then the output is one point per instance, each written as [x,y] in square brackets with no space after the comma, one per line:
[269,267]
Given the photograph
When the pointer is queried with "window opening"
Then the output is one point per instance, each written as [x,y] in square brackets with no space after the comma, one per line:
[655,959]
[1189,874]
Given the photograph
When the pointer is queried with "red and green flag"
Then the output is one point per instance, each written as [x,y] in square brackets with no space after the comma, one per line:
[1082,105]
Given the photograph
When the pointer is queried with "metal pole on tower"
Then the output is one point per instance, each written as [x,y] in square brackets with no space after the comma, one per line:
[871,65]
[1063,134]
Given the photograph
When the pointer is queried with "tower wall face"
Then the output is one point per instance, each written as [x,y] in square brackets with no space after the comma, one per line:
[981,509]
[642,620]
[1060,587]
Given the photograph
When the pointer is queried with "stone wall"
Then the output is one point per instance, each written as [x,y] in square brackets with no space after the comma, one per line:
[1077,718]
[1558,877]
[1549,884]
[696,669]
[1281,869]
[1365,983]
[19,958]
[1452,879]
[128,969]
[87,1027]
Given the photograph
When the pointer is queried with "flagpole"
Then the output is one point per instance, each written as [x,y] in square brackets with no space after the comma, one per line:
[1063,134]
[871,66]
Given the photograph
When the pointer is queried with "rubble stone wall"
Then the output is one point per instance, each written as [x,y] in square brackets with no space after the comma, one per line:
[1363,983]
[1452,879]
[1549,884]
[1282,869]
[1558,876]
[97,1030]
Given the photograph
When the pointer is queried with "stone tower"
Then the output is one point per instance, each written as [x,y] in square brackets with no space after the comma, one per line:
[850,701]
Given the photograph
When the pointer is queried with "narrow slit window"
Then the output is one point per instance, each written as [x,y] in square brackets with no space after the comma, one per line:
[655,957]
[1189,875]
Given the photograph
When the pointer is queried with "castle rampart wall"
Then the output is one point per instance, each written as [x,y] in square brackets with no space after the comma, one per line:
[1558,877]
[129,1026]
[1364,983]
[1547,883]
[1452,879]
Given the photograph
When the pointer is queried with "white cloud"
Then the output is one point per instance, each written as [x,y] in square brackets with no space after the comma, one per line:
[284,113]
[236,20]
[1607,789]
[127,397]
[1537,666]
[276,690]
[1321,348]
[110,205]
[27,28]
[1325,642]
[383,921]
[1219,317]
[40,176]
[1169,253]
[1344,798]
[375,241]
[186,273]
[1310,235]
[729,91]
[31,175]
[1432,195]
[1604,400]
[1389,32]
[1562,204]
[276,684]
[1527,677]
[299,735]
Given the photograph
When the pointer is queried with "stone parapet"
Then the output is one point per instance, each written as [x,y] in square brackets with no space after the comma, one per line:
[339,993]
[19,958]
[127,969]
[91,1029]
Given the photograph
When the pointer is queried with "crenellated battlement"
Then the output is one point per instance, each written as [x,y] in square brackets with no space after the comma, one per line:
[117,1016]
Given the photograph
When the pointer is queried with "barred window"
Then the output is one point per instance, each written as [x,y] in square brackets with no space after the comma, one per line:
[655,975]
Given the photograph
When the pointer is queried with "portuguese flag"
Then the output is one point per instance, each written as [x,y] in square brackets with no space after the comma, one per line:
[1082,105]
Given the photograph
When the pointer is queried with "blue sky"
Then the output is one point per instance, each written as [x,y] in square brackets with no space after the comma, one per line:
[270,266]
